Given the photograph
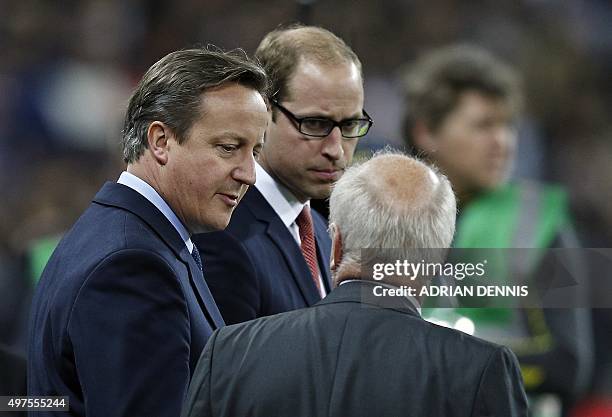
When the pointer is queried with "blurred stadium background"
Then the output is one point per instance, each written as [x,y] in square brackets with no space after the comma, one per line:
[67,69]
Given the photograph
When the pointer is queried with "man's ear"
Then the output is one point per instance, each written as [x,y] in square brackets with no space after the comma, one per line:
[337,251]
[423,138]
[158,135]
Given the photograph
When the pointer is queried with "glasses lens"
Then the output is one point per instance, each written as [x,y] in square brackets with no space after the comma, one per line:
[316,127]
[355,128]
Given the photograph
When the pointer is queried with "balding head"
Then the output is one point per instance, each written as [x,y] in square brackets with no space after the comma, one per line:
[392,201]
[400,182]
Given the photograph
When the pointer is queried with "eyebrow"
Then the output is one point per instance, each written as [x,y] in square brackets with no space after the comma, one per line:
[230,135]
[240,139]
[322,116]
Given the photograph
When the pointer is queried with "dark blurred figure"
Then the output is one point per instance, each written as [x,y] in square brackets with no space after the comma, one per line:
[15,290]
[461,105]
[12,376]
[12,372]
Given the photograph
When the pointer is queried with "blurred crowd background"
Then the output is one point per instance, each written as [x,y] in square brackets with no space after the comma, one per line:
[67,69]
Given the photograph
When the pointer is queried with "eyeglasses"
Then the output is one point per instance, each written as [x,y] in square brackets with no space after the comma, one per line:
[319,127]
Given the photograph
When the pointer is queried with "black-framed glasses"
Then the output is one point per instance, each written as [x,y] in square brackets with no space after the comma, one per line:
[319,127]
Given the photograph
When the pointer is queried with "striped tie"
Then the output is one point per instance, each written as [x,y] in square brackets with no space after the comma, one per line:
[308,244]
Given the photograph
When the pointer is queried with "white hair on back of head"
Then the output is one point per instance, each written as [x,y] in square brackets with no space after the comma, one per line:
[367,221]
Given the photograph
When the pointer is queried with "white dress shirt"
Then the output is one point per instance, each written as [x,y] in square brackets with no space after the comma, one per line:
[286,206]
[148,192]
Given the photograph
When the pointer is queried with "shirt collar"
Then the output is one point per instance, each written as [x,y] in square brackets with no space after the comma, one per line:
[415,303]
[284,203]
[141,187]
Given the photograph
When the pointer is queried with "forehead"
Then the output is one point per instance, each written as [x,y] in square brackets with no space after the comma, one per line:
[230,95]
[314,82]
[231,106]
[475,103]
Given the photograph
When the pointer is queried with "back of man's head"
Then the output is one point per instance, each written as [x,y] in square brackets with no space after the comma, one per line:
[281,50]
[392,205]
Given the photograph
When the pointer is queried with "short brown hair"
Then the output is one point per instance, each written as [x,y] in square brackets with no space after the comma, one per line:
[281,50]
[433,85]
[171,91]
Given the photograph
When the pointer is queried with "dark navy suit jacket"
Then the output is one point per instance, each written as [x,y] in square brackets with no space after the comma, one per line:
[353,354]
[121,313]
[255,267]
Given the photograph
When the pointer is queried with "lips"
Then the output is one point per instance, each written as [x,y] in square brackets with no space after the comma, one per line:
[327,174]
[231,199]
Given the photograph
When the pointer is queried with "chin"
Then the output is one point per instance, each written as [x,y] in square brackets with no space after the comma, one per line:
[211,225]
[223,221]
[494,184]
[321,193]
[221,224]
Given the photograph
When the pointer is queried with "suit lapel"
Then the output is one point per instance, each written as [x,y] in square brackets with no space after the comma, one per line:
[121,196]
[323,256]
[278,233]
[205,298]
[293,255]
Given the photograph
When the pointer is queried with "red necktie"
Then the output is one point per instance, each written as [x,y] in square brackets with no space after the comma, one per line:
[308,244]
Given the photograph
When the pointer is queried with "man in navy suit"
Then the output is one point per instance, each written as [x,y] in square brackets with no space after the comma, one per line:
[273,257]
[122,311]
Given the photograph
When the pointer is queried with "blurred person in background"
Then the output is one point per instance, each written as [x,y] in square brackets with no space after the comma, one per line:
[274,255]
[12,376]
[122,312]
[359,352]
[461,105]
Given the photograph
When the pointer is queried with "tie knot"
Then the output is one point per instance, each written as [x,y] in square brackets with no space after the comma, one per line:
[304,220]
[195,253]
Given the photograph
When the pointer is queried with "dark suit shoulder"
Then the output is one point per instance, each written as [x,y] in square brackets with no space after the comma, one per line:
[318,219]
[102,231]
[389,354]
[246,337]
[365,317]
[244,221]
[458,338]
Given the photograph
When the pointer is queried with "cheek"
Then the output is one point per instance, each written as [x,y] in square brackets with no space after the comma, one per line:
[349,150]
[206,175]
[511,142]
[280,146]
[297,152]
[216,174]
[466,148]
[281,136]
[180,178]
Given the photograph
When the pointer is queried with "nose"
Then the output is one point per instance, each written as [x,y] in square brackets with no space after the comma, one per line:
[245,172]
[502,137]
[332,144]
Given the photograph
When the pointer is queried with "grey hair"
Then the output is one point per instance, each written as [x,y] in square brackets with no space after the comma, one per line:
[381,230]
[171,91]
